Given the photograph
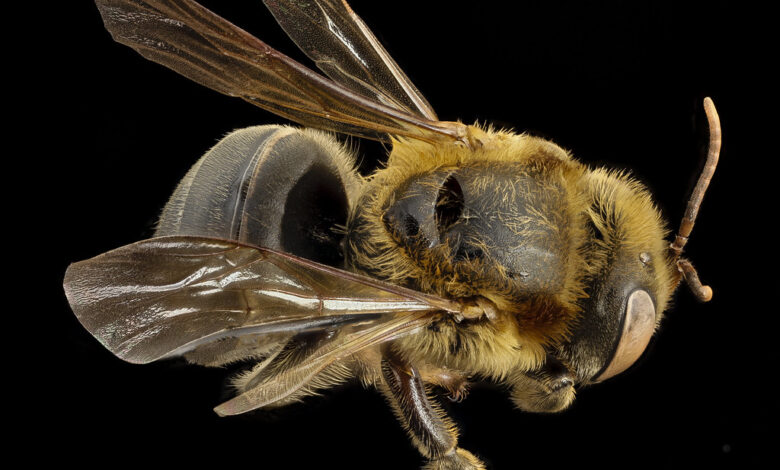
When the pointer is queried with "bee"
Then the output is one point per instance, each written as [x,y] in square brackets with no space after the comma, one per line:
[475,254]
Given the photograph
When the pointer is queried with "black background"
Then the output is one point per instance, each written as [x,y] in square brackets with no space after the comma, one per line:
[618,83]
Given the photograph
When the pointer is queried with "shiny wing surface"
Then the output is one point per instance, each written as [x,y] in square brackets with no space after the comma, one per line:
[343,47]
[202,46]
[164,297]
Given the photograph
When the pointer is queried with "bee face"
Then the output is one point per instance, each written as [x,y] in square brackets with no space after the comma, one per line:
[629,283]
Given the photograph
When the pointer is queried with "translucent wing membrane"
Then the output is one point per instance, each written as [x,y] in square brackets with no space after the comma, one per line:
[343,47]
[166,296]
[282,385]
[188,38]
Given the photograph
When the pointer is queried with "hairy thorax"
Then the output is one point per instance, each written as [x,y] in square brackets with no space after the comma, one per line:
[502,226]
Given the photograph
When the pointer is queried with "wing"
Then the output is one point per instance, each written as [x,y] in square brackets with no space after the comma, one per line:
[343,47]
[164,297]
[287,382]
[202,46]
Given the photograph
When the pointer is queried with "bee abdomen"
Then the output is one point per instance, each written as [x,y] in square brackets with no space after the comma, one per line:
[273,186]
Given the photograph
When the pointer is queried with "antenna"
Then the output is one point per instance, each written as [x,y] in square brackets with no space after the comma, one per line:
[688,272]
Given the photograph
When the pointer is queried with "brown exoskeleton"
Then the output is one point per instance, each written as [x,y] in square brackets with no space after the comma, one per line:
[475,254]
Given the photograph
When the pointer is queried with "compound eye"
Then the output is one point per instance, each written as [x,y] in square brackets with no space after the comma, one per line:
[638,325]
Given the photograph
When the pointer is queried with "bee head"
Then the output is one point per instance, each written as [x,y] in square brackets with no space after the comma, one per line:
[634,270]
[629,280]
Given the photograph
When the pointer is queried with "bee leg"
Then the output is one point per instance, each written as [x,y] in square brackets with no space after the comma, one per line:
[476,309]
[434,434]
[456,383]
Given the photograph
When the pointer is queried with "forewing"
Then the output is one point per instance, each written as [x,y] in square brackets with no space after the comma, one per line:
[163,297]
[343,47]
[192,40]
